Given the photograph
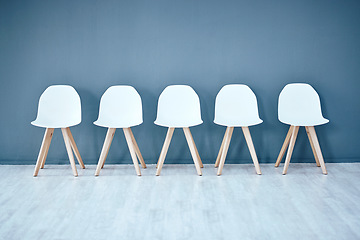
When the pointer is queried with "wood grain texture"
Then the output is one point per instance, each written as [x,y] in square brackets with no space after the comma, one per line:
[284,146]
[74,148]
[196,150]
[312,146]
[228,134]
[217,162]
[132,150]
[179,204]
[69,151]
[43,150]
[137,149]
[294,133]
[164,150]
[317,148]
[193,151]
[47,146]
[105,149]
[251,147]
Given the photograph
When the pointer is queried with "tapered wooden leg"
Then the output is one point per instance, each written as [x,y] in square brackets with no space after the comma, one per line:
[47,148]
[312,146]
[103,163]
[69,151]
[102,166]
[196,151]
[317,148]
[74,148]
[251,147]
[132,150]
[105,149]
[228,135]
[221,149]
[294,133]
[284,146]
[137,150]
[43,149]
[192,147]
[164,150]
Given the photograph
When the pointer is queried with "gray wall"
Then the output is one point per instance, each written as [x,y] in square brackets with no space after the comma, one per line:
[92,45]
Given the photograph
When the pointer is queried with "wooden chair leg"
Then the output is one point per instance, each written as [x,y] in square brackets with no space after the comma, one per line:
[196,151]
[192,148]
[251,147]
[294,133]
[221,150]
[69,151]
[43,149]
[47,148]
[164,150]
[284,146]
[317,148]
[75,149]
[228,135]
[103,163]
[105,149]
[132,150]
[312,146]
[137,150]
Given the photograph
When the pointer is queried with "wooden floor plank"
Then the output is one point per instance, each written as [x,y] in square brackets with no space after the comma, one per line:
[304,204]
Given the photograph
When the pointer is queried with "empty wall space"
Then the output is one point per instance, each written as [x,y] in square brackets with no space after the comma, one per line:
[93,45]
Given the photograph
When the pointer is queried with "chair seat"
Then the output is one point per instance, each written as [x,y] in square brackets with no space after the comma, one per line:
[299,105]
[178,106]
[117,124]
[236,106]
[305,122]
[59,107]
[53,124]
[180,124]
[238,123]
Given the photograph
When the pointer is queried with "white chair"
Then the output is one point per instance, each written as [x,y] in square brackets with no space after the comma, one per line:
[120,107]
[179,107]
[236,106]
[59,107]
[299,105]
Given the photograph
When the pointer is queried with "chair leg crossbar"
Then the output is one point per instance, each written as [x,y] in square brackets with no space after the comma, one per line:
[70,148]
[289,144]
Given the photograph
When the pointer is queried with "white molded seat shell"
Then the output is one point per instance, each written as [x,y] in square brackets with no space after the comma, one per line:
[236,106]
[178,106]
[59,107]
[120,107]
[299,105]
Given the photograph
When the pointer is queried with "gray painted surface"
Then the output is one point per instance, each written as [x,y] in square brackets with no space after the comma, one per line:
[92,45]
[304,204]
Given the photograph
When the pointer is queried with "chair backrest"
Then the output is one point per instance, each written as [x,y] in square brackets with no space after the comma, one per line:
[236,105]
[120,107]
[59,106]
[178,106]
[299,105]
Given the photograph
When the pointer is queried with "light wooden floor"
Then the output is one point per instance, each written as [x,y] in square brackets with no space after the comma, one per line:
[304,204]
